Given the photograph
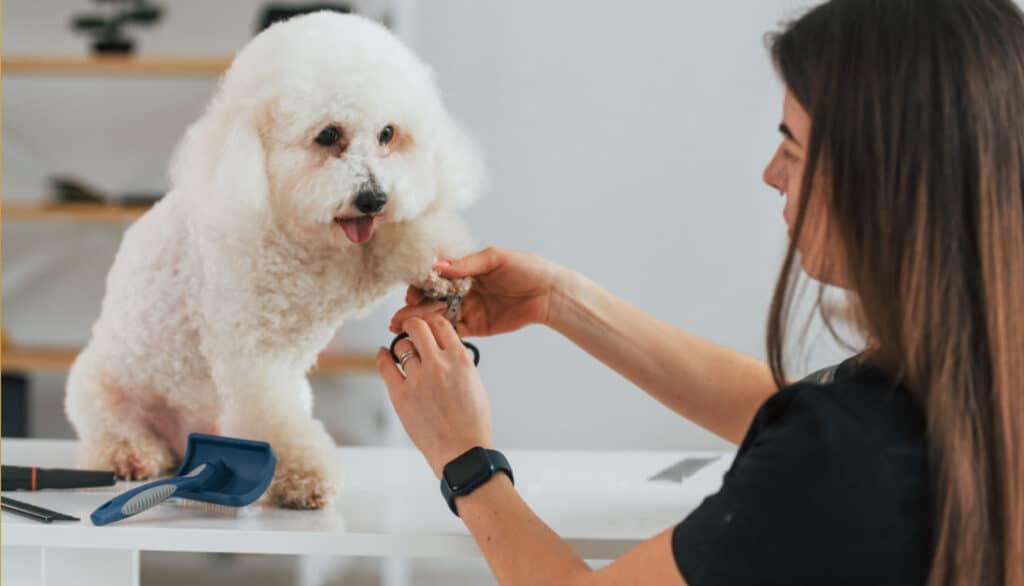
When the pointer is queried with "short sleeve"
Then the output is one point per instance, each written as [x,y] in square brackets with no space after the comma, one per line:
[797,506]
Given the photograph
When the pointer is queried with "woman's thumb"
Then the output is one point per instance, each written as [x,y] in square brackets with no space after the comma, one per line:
[469,266]
[453,269]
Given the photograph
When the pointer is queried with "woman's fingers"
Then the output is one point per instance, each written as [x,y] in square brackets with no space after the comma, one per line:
[443,332]
[389,370]
[422,338]
[413,295]
[420,310]
[409,363]
[478,263]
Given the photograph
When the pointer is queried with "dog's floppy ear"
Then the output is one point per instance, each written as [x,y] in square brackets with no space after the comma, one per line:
[459,167]
[242,169]
[222,163]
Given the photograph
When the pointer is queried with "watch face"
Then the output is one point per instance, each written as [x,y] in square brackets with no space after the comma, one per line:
[468,469]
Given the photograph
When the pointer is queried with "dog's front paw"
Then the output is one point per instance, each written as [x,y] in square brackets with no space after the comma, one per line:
[303,487]
[436,287]
[140,459]
[462,286]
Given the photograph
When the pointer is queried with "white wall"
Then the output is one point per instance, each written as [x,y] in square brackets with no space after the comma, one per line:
[625,139]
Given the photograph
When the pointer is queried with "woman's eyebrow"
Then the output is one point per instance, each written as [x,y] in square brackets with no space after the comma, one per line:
[788,133]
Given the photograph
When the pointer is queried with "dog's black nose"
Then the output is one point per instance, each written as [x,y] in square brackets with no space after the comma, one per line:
[370,201]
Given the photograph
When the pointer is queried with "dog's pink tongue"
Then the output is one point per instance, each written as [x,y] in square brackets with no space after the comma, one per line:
[358,230]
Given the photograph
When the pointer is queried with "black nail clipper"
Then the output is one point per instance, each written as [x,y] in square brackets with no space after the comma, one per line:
[452,313]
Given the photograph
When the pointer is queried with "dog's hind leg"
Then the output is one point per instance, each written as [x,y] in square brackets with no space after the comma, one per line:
[113,433]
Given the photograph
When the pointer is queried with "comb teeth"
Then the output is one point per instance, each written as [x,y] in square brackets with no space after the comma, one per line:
[147,499]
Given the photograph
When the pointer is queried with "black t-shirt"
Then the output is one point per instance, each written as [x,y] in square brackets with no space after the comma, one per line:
[830,486]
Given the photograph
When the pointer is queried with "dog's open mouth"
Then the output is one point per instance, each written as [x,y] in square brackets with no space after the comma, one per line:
[358,230]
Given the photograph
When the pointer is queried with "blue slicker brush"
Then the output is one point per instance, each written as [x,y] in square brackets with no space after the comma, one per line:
[219,470]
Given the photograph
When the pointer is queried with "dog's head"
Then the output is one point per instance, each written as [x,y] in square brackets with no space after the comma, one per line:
[327,127]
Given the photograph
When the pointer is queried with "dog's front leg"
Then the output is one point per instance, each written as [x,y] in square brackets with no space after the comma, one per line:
[273,404]
[450,240]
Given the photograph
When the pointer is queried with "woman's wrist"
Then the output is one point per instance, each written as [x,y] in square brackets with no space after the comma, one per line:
[487,497]
[453,449]
[566,288]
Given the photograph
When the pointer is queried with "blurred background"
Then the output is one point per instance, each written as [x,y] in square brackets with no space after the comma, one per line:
[625,139]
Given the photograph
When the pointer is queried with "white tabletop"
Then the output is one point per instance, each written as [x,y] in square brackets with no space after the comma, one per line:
[603,503]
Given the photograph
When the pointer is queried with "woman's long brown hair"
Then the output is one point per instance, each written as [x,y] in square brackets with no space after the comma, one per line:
[917,141]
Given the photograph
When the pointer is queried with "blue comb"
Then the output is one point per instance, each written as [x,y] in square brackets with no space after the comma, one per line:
[220,470]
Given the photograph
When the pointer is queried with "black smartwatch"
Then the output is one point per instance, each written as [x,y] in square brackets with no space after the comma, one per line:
[465,473]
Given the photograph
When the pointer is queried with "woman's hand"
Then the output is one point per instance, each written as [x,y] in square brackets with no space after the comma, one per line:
[440,400]
[510,290]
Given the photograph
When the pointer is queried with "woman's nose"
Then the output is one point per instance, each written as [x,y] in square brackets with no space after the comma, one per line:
[774,175]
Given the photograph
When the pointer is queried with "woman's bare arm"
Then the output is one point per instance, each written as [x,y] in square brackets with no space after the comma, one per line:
[521,549]
[717,388]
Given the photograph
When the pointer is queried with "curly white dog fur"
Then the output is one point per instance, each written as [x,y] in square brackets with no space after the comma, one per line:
[324,172]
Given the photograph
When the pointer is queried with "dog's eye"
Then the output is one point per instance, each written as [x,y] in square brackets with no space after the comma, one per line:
[328,136]
[386,134]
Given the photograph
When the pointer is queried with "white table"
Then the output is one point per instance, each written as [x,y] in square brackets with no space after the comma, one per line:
[603,503]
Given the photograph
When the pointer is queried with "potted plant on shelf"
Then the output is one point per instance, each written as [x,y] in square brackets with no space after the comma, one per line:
[107,28]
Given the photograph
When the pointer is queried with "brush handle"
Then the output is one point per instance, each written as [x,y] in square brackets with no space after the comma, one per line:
[149,495]
[33,478]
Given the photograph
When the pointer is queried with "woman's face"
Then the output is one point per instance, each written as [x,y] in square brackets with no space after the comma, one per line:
[785,172]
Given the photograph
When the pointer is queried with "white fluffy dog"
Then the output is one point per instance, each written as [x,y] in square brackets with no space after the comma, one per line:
[325,171]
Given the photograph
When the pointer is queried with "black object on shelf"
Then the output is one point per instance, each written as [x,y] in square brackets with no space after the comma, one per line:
[275,12]
[138,199]
[73,190]
[107,29]
[15,402]
[68,189]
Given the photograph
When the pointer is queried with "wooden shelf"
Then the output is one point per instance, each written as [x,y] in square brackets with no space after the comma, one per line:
[71,212]
[31,359]
[140,65]
[27,358]
[331,364]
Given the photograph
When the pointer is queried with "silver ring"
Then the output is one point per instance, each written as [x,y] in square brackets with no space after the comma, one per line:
[406,357]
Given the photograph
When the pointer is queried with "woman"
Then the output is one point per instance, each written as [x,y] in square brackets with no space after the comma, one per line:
[902,165]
